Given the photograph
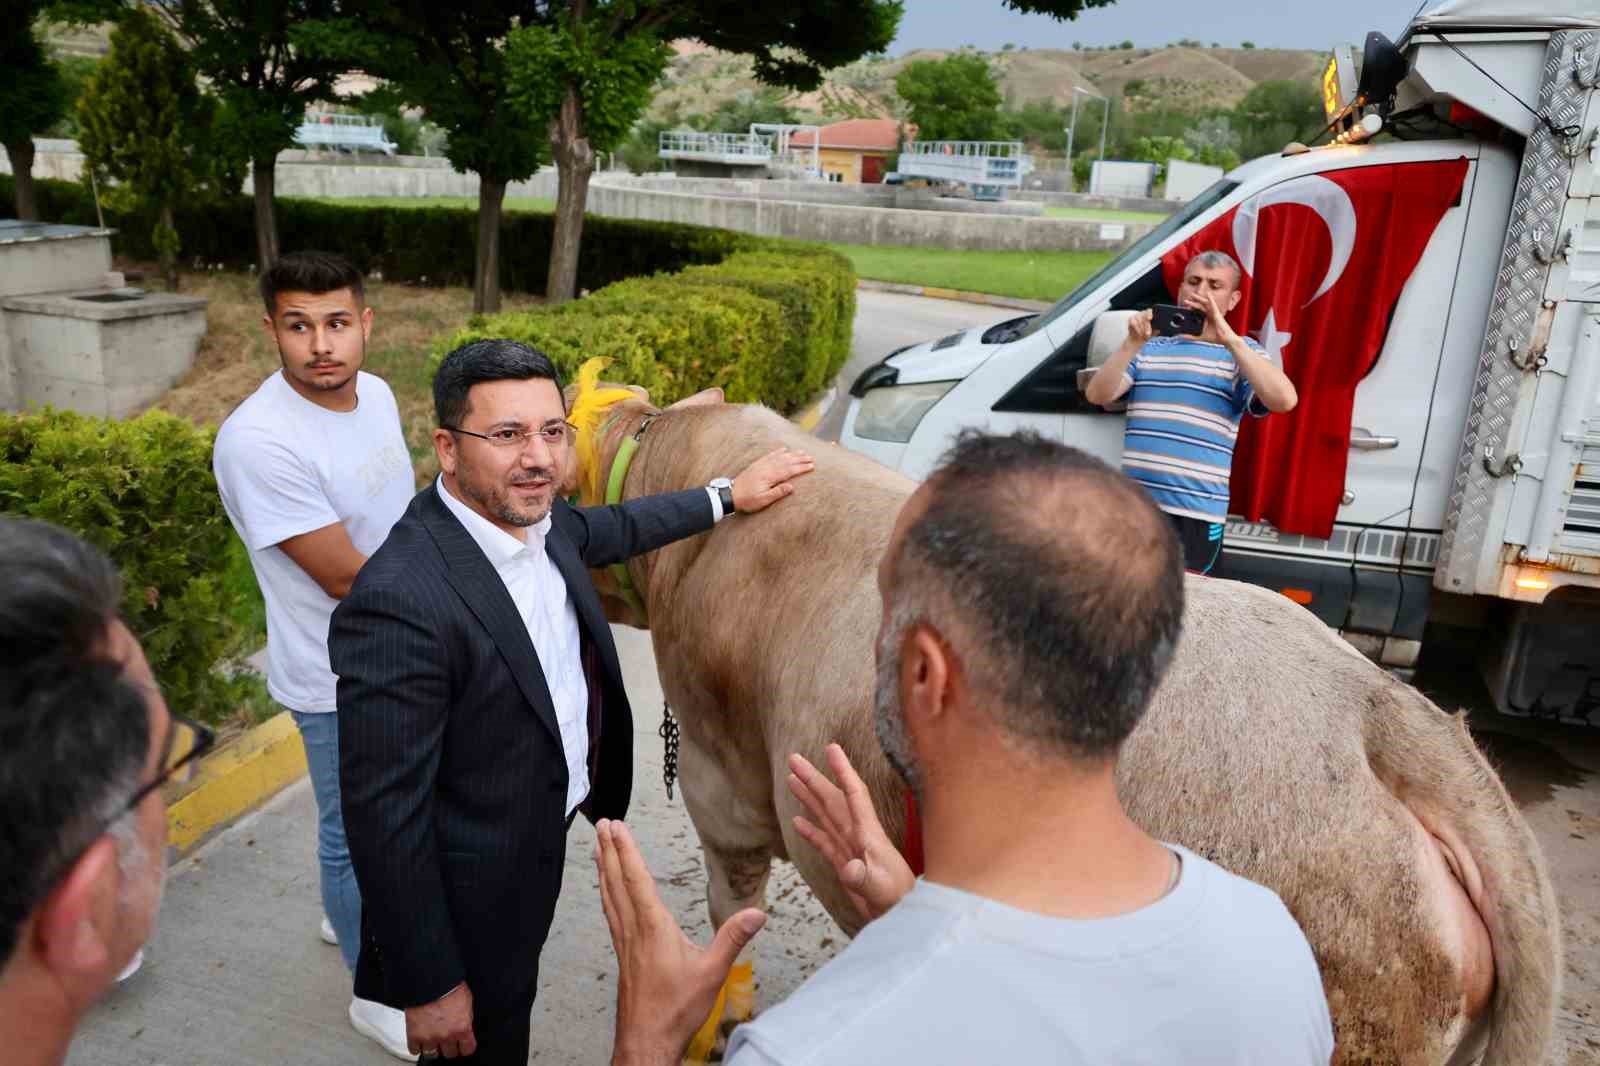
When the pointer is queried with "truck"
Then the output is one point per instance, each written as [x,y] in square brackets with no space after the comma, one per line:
[1471,489]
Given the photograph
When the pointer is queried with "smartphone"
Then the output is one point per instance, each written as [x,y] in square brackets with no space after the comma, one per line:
[1168,320]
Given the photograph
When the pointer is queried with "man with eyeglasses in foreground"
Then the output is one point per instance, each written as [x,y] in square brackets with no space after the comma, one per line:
[481,702]
[86,742]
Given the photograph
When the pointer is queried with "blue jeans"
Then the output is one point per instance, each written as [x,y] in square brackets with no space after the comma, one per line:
[341,899]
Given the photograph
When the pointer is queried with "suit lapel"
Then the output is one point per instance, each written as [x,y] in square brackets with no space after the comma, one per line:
[480,588]
[564,554]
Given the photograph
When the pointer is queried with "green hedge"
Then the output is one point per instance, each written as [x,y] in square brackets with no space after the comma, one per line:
[434,245]
[142,491]
[769,326]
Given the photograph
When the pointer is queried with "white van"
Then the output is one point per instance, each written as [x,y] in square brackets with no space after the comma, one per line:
[1472,491]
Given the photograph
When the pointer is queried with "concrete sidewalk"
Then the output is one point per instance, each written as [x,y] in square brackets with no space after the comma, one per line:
[236,974]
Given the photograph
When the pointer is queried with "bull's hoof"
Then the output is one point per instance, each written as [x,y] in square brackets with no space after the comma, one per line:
[736,1001]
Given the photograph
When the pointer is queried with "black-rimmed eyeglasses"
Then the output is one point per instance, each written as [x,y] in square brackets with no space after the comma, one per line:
[186,742]
[553,434]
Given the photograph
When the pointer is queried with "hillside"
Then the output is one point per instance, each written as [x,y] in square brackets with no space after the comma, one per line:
[700,78]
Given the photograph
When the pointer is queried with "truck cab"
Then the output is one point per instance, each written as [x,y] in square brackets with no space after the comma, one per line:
[1471,494]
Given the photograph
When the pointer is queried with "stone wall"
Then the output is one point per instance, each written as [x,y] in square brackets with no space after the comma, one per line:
[845,223]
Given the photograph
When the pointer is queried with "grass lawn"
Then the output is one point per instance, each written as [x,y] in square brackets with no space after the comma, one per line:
[512,203]
[1030,275]
[1102,214]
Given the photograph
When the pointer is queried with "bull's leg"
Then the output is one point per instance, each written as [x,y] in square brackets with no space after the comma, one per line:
[736,827]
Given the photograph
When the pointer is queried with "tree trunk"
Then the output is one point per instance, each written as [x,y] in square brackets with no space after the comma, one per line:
[169,251]
[21,153]
[486,276]
[574,166]
[264,177]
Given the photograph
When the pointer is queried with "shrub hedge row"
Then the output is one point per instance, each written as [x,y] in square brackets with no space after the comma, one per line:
[142,491]
[432,245]
[769,326]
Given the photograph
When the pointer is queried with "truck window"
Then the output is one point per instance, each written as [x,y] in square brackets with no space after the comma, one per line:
[1192,210]
[1051,387]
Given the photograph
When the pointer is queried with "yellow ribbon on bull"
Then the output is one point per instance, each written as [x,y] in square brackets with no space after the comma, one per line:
[590,407]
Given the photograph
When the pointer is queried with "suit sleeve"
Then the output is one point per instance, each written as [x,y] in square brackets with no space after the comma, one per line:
[606,535]
[394,691]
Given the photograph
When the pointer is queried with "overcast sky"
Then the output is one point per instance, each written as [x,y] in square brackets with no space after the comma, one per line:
[1314,24]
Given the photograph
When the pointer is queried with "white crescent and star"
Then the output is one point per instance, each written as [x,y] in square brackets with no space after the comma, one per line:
[1332,205]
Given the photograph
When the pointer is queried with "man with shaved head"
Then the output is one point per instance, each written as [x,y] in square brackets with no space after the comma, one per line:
[1186,395]
[1032,600]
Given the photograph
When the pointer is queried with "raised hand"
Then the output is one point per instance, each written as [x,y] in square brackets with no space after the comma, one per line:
[845,828]
[767,480]
[666,983]
[1141,327]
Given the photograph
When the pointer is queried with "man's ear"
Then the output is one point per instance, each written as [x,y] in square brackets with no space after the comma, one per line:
[700,399]
[926,671]
[75,921]
[272,333]
[1233,300]
[366,323]
[444,446]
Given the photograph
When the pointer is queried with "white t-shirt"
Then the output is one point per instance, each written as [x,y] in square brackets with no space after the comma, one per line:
[1215,972]
[286,466]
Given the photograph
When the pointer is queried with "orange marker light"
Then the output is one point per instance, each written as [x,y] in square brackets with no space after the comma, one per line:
[1300,596]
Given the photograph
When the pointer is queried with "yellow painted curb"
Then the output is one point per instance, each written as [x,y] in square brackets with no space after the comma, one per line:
[942,294]
[808,417]
[236,779]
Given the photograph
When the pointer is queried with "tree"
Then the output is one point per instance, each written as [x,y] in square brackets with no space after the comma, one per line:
[1274,113]
[600,48]
[449,60]
[33,96]
[1247,44]
[148,127]
[266,61]
[951,99]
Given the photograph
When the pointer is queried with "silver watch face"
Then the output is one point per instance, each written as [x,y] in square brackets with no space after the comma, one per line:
[722,483]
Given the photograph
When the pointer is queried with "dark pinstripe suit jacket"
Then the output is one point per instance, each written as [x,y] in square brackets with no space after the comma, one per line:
[451,768]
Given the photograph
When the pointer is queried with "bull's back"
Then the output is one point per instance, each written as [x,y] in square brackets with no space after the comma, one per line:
[1255,753]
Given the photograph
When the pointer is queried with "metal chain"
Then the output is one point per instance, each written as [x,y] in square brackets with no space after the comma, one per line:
[669,735]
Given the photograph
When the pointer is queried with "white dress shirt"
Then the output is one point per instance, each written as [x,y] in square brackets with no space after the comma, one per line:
[541,598]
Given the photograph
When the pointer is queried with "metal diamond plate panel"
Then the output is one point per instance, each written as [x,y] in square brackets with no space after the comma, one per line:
[1535,211]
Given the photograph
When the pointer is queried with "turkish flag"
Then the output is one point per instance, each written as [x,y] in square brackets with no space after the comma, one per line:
[1325,257]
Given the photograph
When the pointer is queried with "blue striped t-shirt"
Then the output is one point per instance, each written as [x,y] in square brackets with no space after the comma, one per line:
[1183,418]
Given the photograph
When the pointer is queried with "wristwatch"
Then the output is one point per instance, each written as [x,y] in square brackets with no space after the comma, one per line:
[723,487]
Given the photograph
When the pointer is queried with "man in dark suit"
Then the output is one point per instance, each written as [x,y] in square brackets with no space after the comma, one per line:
[481,702]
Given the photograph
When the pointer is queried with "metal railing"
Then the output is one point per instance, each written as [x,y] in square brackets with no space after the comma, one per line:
[720,147]
[331,130]
[992,163]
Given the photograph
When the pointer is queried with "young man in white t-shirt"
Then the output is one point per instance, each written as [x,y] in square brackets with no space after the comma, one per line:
[313,470]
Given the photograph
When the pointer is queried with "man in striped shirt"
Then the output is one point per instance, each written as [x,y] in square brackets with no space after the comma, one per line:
[1185,397]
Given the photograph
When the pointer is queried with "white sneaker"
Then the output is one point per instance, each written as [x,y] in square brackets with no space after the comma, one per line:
[328,935]
[138,961]
[383,1025]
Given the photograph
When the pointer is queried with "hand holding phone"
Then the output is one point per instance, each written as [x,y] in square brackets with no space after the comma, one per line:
[1171,321]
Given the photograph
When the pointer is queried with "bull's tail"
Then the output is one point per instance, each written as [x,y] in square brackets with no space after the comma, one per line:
[1429,761]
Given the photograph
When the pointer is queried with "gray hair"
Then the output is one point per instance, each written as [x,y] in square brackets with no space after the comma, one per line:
[1214,259]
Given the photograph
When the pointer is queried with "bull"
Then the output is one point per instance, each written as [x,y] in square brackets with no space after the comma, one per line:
[1271,747]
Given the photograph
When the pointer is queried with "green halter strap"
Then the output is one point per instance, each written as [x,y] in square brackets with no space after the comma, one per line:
[614,483]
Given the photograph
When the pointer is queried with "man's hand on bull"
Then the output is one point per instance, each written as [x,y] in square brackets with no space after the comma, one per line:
[845,828]
[666,984]
[769,479]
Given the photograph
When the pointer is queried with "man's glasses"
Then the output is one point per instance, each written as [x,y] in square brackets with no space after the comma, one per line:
[186,742]
[554,435]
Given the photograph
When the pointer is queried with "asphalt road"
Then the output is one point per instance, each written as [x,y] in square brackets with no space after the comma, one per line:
[236,974]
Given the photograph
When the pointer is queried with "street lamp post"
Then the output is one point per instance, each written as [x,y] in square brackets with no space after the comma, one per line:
[1105,120]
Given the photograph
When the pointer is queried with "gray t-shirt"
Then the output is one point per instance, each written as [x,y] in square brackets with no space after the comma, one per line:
[1215,972]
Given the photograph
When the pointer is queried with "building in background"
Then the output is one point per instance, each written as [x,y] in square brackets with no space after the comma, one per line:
[857,150]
